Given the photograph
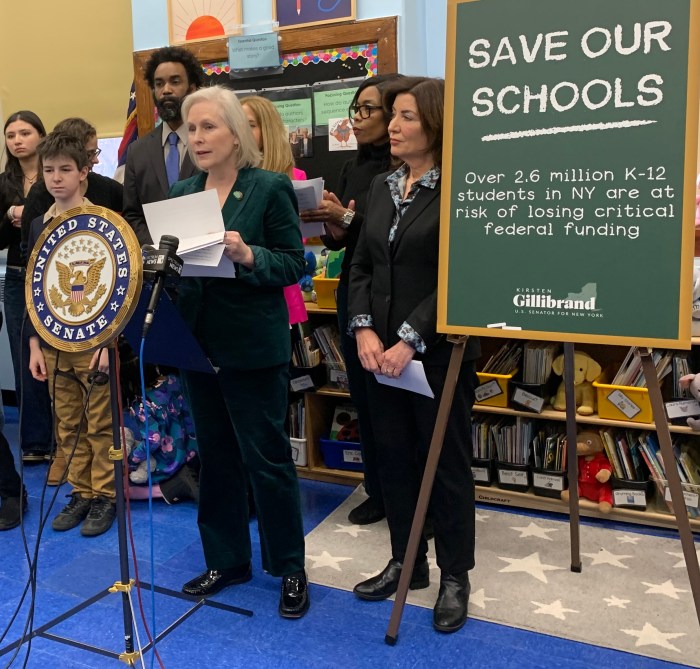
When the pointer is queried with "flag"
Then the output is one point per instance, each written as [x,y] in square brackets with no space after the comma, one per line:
[130,129]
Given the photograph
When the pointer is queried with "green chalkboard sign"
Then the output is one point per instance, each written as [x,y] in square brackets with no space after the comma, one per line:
[569,170]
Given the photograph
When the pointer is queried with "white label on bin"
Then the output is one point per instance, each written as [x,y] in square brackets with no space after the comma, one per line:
[512,476]
[682,408]
[352,455]
[528,400]
[339,377]
[487,390]
[692,499]
[623,403]
[548,481]
[481,474]
[301,383]
[624,497]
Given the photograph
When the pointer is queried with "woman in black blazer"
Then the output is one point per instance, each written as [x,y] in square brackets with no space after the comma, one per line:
[393,314]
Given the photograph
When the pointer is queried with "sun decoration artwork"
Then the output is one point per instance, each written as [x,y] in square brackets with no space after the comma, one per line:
[193,20]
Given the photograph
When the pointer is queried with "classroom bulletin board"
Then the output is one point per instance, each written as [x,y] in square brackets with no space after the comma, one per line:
[324,54]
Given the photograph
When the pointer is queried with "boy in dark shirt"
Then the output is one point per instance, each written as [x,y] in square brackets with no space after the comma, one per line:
[64,164]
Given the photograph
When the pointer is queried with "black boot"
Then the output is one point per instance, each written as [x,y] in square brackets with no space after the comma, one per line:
[10,511]
[450,612]
[370,511]
[386,583]
[183,485]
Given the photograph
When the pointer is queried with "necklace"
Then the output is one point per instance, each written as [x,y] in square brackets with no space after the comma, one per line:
[31,180]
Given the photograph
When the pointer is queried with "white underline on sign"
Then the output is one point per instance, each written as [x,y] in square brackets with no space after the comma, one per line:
[586,127]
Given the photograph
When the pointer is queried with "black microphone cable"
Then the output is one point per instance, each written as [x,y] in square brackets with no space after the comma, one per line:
[43,519]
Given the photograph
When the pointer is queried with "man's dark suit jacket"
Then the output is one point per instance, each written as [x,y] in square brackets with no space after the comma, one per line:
[400,283]
[145,180]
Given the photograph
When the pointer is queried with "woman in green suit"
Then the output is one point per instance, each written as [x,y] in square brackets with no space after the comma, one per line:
[242,325]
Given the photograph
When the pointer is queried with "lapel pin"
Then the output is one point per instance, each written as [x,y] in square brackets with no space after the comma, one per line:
[238,195]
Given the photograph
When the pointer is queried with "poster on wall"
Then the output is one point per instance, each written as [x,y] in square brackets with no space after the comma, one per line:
[301,13]
[294,107]
[332,100]
[568,184]
[196,20]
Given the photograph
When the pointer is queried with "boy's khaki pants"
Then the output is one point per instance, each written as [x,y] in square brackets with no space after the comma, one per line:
[90,471]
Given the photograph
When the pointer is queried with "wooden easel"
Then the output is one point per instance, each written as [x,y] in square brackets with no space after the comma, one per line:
[674,483]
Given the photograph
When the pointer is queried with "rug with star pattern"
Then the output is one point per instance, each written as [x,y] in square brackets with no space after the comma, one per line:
[633,593]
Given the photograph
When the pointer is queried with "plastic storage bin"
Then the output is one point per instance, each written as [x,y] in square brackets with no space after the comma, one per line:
[622,402]
[631,494]
[299,452]
[492,390]
[342,454]
[548,482]
[306,378]
[325,292]
[482,471]
[513,477]
[337,375]
[691,494]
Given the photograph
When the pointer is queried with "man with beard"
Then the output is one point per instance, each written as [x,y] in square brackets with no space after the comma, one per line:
[159,159]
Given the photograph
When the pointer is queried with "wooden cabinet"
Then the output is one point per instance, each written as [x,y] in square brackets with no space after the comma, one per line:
[321,403]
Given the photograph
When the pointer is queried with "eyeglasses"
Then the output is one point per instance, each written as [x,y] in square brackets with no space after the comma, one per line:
[363,111]
[94,153]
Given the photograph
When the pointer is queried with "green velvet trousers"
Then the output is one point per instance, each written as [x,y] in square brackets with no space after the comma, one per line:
[239,418]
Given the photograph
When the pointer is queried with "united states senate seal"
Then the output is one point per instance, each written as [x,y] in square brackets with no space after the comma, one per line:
[83,279]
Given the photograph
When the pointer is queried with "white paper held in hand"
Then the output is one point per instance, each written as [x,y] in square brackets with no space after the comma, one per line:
[309,194]
[412,378]
[197,222]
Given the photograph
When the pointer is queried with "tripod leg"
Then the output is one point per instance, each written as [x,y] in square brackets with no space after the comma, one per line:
[117,456]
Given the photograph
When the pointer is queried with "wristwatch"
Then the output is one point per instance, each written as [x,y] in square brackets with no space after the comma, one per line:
[347,219]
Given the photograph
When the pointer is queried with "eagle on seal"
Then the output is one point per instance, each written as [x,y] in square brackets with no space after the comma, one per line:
[77,283]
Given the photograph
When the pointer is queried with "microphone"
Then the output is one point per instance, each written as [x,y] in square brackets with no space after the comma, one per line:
[164,262]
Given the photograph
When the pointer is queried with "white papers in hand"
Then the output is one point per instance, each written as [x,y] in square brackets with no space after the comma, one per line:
[309,196]
[197,222]
[412,378]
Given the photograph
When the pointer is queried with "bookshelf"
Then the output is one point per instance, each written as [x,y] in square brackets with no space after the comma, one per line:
[319,413]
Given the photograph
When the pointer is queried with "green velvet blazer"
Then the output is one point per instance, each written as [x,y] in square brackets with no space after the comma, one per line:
[243,323]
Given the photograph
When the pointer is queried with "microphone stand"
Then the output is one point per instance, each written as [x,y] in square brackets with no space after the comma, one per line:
[125,585]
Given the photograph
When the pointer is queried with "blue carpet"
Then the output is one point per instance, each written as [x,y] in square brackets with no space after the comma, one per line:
[339,630]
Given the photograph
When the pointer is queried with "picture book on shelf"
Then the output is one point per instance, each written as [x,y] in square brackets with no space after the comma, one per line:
[345,426]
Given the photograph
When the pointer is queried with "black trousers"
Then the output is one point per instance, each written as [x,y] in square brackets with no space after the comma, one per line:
[403,426]
[10,485]
[358,379]
[239,420]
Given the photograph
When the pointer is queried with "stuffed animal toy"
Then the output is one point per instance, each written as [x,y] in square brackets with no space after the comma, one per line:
[585,370]
[594,471]
[138,475]
[306,282]
[692,383]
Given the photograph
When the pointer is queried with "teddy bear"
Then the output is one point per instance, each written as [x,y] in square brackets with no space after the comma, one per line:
[692,383]
[594,471]
[585,370]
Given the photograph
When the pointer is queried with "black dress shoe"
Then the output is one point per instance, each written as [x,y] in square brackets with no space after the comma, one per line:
[370,511]
[11,511]
[386,583]
[294,600]
[450,612]
[214,580]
